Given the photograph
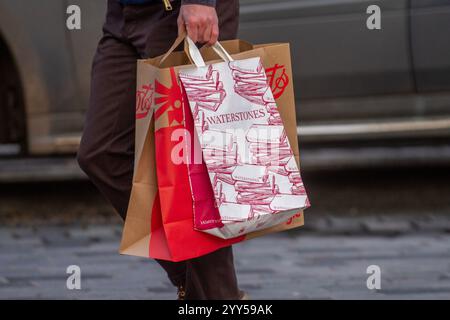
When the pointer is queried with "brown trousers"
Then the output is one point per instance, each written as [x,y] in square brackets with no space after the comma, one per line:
[106,152]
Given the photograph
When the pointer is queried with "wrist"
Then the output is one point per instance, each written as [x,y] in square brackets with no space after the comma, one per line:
[210,3]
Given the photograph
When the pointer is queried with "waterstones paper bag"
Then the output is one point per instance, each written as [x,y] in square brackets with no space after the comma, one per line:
[250,163]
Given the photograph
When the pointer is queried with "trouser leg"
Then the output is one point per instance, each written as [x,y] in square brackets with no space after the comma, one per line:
[212,276]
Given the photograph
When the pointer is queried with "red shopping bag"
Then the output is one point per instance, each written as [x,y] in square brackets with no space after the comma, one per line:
[176,225]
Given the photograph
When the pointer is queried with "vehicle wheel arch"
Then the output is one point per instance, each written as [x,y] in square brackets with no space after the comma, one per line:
[12,102]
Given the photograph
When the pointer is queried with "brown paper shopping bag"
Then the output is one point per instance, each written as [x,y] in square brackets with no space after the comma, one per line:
[150,231]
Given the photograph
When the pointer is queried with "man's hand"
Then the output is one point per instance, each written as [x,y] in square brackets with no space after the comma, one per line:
[200,22]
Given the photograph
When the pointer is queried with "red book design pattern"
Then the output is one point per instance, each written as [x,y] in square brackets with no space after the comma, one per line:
[271,172]
[262,87]
[206,92]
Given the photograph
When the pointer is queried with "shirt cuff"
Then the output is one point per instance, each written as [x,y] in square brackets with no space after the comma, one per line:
[211,3]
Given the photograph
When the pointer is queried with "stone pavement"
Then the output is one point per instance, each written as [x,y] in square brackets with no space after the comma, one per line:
[303,264]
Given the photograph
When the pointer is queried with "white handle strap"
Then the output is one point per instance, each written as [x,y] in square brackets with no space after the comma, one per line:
[222,52]
[197,58]
[194,53]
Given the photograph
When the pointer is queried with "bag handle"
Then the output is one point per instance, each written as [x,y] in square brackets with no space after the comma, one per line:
[220,50]
[176,43]
[196,56]
[192,51]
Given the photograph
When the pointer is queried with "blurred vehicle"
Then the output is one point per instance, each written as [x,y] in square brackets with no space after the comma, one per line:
[365,96]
